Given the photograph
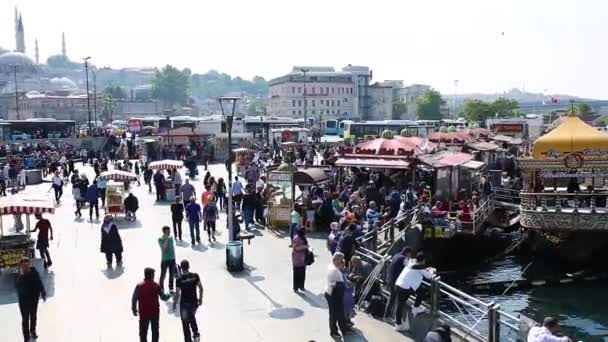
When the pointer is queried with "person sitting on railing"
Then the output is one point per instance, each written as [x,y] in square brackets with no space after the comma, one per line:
[358,271]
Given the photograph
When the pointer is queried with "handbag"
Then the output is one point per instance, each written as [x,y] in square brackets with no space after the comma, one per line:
[310,257]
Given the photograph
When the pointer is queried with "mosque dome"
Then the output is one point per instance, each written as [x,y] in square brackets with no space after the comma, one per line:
[22,61]
[62,84]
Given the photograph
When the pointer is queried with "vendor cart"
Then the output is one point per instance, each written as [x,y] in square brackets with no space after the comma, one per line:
[115,197]
[15,246]
[168,164]
[243,159]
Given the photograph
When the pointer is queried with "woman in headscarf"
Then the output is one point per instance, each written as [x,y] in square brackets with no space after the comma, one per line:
[111,243]
[299,248]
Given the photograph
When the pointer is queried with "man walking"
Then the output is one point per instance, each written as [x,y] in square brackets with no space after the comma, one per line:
[187,191]
[397,264]
[57,185]
[29,291]
[42,242]
[187,284]
[334,294]
[145,303]
[193,211]
[167,249]
[93,199]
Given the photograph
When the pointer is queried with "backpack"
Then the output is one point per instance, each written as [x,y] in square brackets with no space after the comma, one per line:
[376,306]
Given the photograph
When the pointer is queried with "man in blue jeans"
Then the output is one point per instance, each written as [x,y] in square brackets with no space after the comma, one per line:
[193,212]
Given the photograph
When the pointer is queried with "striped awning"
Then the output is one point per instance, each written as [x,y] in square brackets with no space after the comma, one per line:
[118,176]
[166,164]
[25,205]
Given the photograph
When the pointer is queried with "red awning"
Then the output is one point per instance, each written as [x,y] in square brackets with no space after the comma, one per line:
[166,164]
[373,163]
[445,159]
[483,146]
[118,175]
[26,205]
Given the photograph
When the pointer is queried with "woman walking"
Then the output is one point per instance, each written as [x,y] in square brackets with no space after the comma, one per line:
[177,216]
[220,192]
[111,243]
[299,250]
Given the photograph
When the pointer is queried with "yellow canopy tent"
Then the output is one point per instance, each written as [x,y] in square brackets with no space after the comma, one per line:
[572,135]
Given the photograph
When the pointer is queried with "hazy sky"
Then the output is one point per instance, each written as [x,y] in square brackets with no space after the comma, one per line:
[557,45]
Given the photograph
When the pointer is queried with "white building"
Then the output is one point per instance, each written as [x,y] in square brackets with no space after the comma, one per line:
[323,93]
[408,96]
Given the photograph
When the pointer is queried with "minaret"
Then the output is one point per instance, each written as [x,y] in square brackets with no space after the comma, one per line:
[63,51]
[37,52]
[20,36]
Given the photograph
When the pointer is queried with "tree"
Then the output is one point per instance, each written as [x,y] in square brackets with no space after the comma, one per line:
[398,109]
[171,85]
[477,110]
[503,107]
[116,92]
[582,108]
[428,105]
[108,106]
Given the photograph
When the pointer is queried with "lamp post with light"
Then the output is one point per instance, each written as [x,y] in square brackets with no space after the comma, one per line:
[86,72]
[231,263]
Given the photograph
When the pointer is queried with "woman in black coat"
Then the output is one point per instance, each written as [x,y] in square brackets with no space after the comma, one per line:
[111,243]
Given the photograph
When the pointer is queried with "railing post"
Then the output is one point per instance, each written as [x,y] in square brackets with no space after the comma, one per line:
[558,204]
[592,202]
[576,203]
[493,323]
[543,202]
[435,289]
[391,233]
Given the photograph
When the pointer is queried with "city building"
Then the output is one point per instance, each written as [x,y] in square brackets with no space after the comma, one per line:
[66,106]
[408,96]
[322,92]
[381,101]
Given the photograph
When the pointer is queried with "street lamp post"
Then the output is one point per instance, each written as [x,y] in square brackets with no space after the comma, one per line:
[14,67]
[455,94]
[86,71]
[229,119]
[304,71]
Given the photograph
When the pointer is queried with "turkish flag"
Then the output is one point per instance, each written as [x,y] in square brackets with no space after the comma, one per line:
[553,99]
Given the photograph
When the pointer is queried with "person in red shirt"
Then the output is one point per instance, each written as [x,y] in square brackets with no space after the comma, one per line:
[42,243]
[206,195]
[145,303]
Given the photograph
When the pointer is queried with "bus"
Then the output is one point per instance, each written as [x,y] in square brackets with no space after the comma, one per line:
[340,130]
[330,127]
[41,128]
[373,129]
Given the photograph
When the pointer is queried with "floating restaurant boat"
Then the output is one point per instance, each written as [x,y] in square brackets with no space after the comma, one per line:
[564,200]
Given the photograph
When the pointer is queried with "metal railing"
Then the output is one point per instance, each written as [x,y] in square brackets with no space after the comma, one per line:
[506,195]
[571,202]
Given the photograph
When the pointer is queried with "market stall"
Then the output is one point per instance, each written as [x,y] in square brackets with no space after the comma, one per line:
[115,197]
[279,202]
[167,165]
[243,159]
[19,244]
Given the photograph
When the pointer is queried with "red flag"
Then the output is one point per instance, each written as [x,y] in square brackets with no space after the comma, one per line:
[553,99]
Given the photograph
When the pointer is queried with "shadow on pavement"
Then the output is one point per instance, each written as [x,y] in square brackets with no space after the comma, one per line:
[124,224]
[356,336]
[113,273]
[199,247]
[218,245]
[315,300]
[286,313]
[181,243]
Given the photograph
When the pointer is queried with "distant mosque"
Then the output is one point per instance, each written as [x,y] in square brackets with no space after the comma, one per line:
[30,73]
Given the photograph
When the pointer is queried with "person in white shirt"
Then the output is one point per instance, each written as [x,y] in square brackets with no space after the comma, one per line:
[547,332]
[334,294]
[407,284]
[177,181]
[57,186]
[22,178]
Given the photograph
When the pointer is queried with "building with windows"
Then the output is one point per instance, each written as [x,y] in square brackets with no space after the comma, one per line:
[322,92]
[408,96]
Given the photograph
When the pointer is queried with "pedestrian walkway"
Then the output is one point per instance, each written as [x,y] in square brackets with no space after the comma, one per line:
[88,302]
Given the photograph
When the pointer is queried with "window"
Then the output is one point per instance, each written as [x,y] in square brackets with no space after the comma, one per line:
[313,112]
[314,90]
[313,103]
[293,103]
[351,90]
[299,112]
[299,103]
[328,111]
[293,90]
[299,90]
[345,100]
[321,101]
[332,90]
[332,103]
[338,103]
[327,90]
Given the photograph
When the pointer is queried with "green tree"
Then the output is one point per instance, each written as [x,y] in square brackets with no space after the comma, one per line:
[171,85]
[503,107]
[398,109]
[428,105]
[476,110]
[582,108]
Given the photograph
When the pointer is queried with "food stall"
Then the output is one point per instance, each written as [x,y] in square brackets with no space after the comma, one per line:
[20,244]
[280,203]
[168,165]
[296,135]
[116,191]
[243,159]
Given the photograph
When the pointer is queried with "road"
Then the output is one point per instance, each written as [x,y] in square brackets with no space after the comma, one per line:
[89,302]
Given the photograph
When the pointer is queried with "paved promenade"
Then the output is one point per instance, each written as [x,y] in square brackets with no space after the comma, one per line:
[88,302]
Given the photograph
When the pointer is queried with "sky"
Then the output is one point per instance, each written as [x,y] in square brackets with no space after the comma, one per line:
[551,46]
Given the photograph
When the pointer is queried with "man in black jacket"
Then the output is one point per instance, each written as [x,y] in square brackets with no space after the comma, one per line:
[29,291]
